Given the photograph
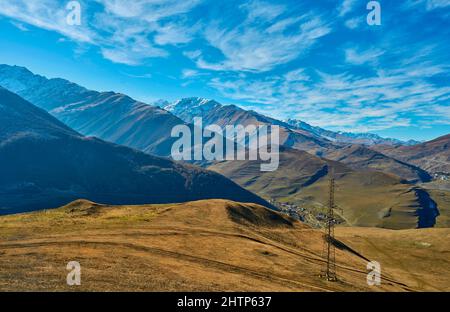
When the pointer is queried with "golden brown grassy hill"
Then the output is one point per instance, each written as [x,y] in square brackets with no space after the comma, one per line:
[419,258]
[366,197]
[213,245]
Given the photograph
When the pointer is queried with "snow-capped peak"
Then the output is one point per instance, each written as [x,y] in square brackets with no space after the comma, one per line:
[191,104]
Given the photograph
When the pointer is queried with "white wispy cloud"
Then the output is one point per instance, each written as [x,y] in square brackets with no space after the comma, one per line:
[282,25]
[130,32]
[189,73]
[346,7]
[46,14]
[126,32]
[259,44]
[436,4]
[19,26]
[354,23]
[428,4]
[174,34]
[347,101]
[148,10]
[359,57]
[296,75]
[264,10]
[139,76]
[139,29]
[195,54]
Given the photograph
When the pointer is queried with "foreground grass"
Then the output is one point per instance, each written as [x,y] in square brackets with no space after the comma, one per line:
[212,245]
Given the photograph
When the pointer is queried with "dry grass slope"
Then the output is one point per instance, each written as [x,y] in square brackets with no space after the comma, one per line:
[213,245]
[419,258]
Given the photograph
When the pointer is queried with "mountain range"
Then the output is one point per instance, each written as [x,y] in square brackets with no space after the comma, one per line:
[366,198]
[432,156]
[377,175]
[120,119]
[348,137]
[45,164]
[110,116]
[115,114]
[356,156]
[189,108]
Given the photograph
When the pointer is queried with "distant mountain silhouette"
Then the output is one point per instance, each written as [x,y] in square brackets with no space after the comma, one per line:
[44,164]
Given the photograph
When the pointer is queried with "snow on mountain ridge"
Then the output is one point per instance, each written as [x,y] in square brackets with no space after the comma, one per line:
[348,137]
[186,108]
[192,103]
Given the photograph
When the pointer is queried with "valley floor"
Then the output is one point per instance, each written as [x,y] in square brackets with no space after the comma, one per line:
[213,245]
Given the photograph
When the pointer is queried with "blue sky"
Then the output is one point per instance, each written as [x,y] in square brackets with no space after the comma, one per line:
[318,61]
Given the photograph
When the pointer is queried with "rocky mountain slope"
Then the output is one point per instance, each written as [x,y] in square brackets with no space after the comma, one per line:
[433,156]
[213,112]
[356,156]
[110,116]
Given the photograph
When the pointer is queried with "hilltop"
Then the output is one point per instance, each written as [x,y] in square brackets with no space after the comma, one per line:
[213,245]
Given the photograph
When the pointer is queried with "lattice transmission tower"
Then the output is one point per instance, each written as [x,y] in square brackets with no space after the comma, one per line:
[329,252]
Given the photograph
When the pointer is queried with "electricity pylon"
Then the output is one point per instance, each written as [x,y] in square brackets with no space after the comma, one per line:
[329,252]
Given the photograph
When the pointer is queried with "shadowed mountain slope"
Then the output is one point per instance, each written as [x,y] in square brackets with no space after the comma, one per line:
[46,164]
